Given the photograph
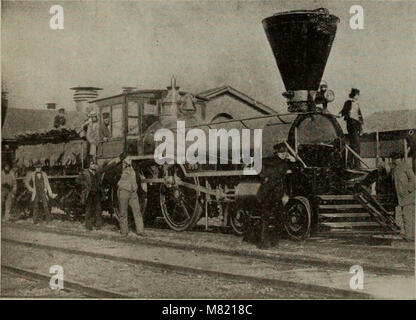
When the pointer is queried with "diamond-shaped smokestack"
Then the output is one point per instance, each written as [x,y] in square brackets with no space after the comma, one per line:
[301,42]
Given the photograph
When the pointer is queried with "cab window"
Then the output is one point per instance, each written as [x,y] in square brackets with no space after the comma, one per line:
[133,118]
[116,121]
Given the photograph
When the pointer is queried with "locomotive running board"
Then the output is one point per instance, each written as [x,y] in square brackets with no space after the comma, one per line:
[375,209]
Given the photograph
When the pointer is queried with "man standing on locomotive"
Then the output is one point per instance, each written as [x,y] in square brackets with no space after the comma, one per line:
[60,119]
[127,195]
[354,119]
[37,183]
[93,135]
[105,132]
[8,190]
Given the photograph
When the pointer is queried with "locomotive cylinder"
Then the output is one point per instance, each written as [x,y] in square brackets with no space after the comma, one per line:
[247,191]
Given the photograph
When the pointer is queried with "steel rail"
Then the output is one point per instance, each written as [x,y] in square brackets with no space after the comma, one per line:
[92,292]
[286,258]
[277,283]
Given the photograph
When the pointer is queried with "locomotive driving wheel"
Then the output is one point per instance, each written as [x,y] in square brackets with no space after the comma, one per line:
[180,205]
[297,218]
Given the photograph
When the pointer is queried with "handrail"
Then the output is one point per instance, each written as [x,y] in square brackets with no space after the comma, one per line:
[295,154]
[356,155]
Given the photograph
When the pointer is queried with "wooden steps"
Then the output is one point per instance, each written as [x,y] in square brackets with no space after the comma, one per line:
[343,214]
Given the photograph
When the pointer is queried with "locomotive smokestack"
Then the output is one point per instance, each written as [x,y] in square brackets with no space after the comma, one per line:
[301,42]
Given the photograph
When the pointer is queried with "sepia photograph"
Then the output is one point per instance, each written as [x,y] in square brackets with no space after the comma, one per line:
[186,151]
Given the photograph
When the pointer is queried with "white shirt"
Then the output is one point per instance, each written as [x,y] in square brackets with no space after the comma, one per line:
[355,111]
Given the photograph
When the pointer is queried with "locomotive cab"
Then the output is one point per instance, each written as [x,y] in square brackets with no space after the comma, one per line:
[130,114]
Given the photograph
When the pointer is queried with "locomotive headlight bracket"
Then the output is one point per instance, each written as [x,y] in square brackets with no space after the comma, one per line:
[329,95]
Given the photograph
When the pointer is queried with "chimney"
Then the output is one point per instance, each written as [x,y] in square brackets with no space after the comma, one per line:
[82,97]
[51,106]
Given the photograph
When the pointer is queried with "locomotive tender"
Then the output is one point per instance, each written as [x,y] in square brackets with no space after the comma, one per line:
[301,42]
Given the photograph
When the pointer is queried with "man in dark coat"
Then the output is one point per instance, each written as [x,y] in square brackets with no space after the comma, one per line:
[354,119]
[60,119]
[92,194]
[272,194]
[92,191]
[104,130]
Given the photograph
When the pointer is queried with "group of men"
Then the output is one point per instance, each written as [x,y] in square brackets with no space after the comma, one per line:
[93,130]
[93,195]
[90,181]
[96,132]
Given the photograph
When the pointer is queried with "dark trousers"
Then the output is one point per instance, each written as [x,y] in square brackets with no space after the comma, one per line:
[41,204]
[263,229]
[354,129]
[93,206]
[271,223]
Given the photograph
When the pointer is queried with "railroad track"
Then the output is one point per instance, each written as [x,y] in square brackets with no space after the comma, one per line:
[78,288]
[310,289]
[292,259]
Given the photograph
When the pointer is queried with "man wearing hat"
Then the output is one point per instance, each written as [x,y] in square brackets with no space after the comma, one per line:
[60,119]
[37,183]
[105,132]
[8,190]
[272,196]
[93,134]
[127,195]
[405,185]
[92,194]
[354,119]
[320,96]
[90,181]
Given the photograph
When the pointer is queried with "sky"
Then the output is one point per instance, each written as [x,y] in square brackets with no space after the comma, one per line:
[111,44]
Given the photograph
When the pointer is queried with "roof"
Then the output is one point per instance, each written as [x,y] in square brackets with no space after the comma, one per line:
[390,120]
[86,88]
[24,120]
[138,92]
[216,92]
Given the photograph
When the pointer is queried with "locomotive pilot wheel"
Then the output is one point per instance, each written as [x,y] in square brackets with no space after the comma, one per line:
[297,218]
[180,205]
[237,217]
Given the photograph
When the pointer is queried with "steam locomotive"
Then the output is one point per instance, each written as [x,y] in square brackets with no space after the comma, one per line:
[301,42]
